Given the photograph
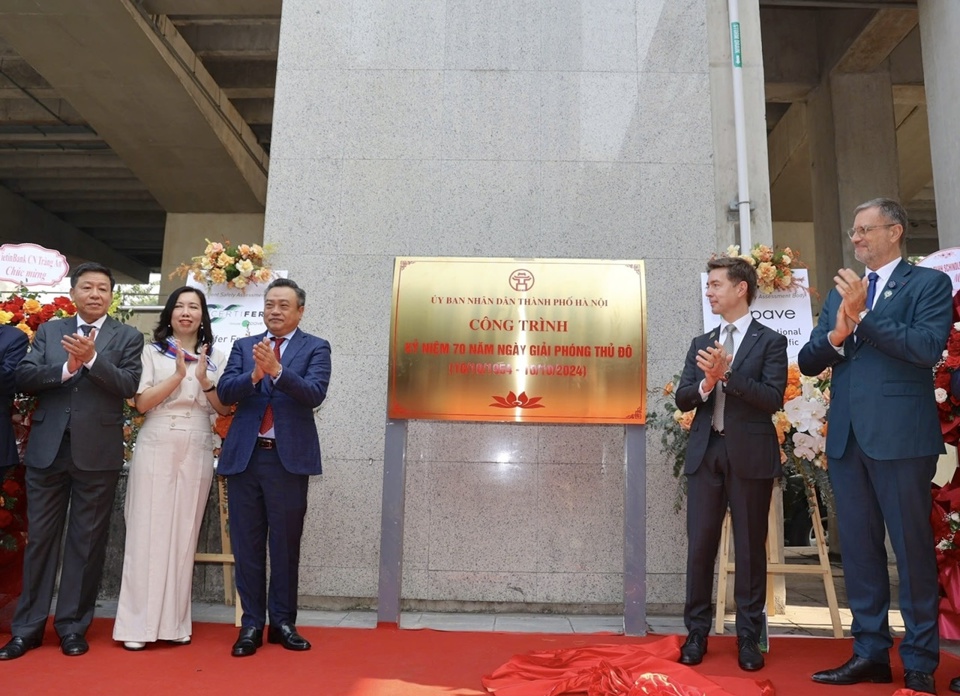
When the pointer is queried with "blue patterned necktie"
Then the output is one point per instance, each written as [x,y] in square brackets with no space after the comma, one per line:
[871,288]
[85,329]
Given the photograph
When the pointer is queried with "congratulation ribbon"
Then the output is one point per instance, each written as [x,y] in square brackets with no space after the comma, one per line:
[169,349]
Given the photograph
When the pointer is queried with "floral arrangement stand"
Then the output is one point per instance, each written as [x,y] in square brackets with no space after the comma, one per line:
[774,568]
[230,595]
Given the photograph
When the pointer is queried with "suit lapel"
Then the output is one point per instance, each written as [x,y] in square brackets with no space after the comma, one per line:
[106,333]
[293,347]
[749,340]
[898,280]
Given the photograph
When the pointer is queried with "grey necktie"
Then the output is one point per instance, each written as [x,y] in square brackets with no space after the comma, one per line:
[721,397]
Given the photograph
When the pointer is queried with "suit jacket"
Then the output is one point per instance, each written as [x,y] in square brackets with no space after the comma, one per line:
[754,393]
[882,385]
[91,402]
[301,388]
[13,346]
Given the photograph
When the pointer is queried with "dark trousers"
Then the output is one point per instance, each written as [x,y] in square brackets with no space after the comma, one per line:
[710,489]
[89,496]
[267,502]
[872,494]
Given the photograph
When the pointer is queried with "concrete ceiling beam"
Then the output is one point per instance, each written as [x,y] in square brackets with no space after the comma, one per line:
[258,39]
[43,112]
[913,152]
[244,79]
[157,107]
[10,159]
[22,220]
[76,205]
[41,186]
[28,173]
[233,8]
[256,112]
[882,34]
[789,54]
[116,219]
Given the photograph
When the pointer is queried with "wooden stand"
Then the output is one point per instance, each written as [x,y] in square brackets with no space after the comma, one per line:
[776,568]
[230,595]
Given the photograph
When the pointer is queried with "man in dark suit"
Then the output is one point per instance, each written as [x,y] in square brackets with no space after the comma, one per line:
[13,346]
[81,369]
[882,334]
[734,376]
[276,379]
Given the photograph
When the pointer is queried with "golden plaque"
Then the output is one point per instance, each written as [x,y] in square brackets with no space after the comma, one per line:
[518,340]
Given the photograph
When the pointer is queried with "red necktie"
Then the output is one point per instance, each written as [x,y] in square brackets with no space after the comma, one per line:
[267,421]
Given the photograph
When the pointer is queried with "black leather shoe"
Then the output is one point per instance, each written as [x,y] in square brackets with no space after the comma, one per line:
[855,670]
[18,646]
[921,682]
[693,649]
[286,635]
[73,644]
[247,643]
[748,653]
[955,685]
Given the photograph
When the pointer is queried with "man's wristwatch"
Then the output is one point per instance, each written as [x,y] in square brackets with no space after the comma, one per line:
[862,315]
[726,375]
[277,376]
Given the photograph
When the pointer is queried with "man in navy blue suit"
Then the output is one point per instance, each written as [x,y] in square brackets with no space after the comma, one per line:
[882,334]
[277,380]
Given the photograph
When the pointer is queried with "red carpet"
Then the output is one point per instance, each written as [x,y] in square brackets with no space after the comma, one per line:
[381,662]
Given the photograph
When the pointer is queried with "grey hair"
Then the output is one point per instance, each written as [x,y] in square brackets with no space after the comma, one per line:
[891,210]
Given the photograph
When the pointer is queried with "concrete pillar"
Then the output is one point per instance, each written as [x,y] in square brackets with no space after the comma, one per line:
[724,139]
[853,152]
[185,234]
[939,26]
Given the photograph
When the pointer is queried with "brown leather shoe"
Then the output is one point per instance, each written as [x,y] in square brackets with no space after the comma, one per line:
[855,670]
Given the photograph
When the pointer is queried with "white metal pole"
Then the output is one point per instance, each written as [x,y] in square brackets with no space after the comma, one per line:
[740,128]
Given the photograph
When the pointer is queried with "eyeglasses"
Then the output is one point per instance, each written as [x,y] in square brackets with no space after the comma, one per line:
[862,231]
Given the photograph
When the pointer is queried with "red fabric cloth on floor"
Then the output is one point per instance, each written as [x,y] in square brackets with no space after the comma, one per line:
[648,669]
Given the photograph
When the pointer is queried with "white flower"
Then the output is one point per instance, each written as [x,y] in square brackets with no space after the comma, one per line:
[245,267]
[807,446]
[957,326]
[787,260]
[239,282]
[733,250]
[806,413]
[940,395]
[944,545]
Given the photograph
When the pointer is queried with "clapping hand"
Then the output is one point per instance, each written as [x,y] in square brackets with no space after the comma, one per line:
[80,349]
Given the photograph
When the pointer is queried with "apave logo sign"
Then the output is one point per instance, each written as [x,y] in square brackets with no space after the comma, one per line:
[30,264]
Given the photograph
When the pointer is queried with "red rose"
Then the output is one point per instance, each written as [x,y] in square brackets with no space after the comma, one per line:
[5,518]
[11,487]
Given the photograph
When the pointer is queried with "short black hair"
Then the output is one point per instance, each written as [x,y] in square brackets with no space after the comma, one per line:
[287,283]
[90,267]
[738,270]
